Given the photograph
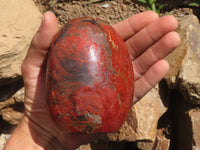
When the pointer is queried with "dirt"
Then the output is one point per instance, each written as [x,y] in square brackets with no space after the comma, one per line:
[111,11]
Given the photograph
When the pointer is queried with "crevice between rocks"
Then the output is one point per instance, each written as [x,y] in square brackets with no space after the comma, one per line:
[7,90]
[176,123]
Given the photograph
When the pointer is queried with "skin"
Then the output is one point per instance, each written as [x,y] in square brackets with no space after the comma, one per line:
[149,39]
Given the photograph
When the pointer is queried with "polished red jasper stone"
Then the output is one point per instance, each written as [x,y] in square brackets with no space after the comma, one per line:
[90,78]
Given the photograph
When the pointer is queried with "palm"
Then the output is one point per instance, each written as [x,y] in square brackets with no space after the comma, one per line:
[148,39]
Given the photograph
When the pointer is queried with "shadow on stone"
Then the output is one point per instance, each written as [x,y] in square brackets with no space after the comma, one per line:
[181,137]
[5,127]
[164,93]
[115,146]
[6,91]
[175,123]
[19,107]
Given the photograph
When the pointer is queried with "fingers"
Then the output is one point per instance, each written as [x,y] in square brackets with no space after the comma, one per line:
[150,34]
[150,79]
[41,41]
[155,53]
[135,23]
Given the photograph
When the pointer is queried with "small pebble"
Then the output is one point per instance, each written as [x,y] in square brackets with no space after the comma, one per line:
[127,1]
[124,7]
[182,15]
[113,2]
[106,5]
[98,11]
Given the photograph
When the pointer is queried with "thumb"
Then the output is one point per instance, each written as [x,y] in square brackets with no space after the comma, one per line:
[41,41]
[49,27]
[36,55]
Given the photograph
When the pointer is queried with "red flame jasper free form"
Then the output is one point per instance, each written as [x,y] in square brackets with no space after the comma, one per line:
[90,78]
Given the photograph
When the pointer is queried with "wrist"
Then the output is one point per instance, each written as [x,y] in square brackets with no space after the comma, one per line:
[28,135]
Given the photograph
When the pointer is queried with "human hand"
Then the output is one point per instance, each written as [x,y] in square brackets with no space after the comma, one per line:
[148,38]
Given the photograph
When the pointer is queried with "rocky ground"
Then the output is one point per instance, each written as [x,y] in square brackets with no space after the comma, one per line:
[111,11]
[170,119]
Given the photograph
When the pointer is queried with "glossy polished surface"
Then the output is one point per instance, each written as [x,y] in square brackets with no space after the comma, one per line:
[90,78]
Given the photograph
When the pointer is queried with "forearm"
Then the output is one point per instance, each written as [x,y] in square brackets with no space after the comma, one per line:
[30,137]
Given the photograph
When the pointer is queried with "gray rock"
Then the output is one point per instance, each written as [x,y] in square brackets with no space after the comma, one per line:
[84,147]
[3,139]
[162,143]
[194,115]
[19,21]
[12,110]
[184,73]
